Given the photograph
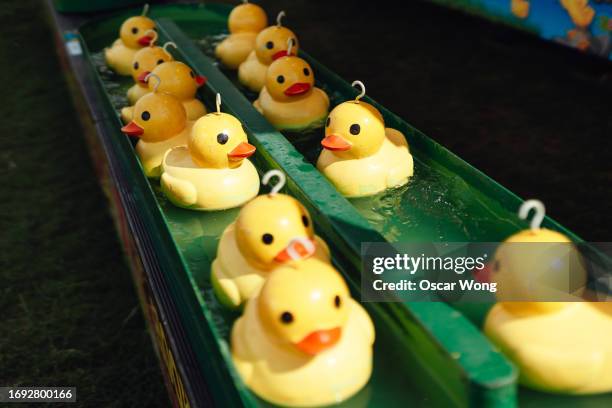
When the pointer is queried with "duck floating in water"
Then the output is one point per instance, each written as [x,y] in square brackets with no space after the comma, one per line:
[289,99]
[303,341]
[212,172]
[178,80]
[560,347]
[144,61]
[244,23]
[132,37]
[270,230]
[270,44]
[160,121]
[360,156]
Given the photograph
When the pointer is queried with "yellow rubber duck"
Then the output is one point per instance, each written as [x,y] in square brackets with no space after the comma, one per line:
[132,37]
[212,172]
[244,23]
[579,11]
[270,230]
[289,99]
[560,347]
[144,61]
[361,157]
[159,120]
[270,44]
[178,80]
[303,341]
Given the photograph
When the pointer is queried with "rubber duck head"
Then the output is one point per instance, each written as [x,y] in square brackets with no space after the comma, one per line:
[146,59]
[289,78]
[247,17]
[134,30]
[354,129]
[218,141]
[305,306]
[579,11]
[272,42]
[273,229]
[536,263]
[177,79]
[156,117]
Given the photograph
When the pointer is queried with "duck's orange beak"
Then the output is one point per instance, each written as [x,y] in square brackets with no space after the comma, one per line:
[142,78]
[242,151]
[279,54]
[145,40]
[299,88]
[335,143]
[132,129]
[296,250]
[483,275]
[319,340]
[200,80]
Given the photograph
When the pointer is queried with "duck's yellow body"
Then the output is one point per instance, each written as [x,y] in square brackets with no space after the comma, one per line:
[132,37]
[391,166]
[244,22]
[289,100]
[211,172]
[566,351]
[270,230]
[134,93]
[270,44]
[303,341]
[236,279]
[151,154]
[198,188]
[361,157]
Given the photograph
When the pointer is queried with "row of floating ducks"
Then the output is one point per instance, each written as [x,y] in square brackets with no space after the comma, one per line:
[302,340]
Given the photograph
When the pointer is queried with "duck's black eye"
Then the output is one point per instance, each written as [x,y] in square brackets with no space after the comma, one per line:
[154,28]
[293,42]
[222,138]
[305,221]
[306,71]
[145,115]
[286,317]
[355,129]
[328,121]
[269,45]
[192,74]
[280,79]
[496,265]
[337,302]
[160,61]
[267,238]
[134,30]
[136,65]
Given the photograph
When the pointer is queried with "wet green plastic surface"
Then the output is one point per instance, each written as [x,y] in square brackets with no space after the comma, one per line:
[443,358]
[82,6]
[411,365]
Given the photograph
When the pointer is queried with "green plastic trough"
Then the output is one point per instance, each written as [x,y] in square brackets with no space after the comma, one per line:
[426,354]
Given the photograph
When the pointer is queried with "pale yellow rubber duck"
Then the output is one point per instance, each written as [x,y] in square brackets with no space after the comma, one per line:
[144,61]
[560,347]
[270,230]
[360,156]
[304,341]
[132,37]
[289,100]
[244,23]
[159,120]
[212,172]
[270,44]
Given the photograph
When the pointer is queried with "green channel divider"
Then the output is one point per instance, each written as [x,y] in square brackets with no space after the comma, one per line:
[466,363]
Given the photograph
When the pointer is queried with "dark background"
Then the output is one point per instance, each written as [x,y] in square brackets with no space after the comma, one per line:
[532,115]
